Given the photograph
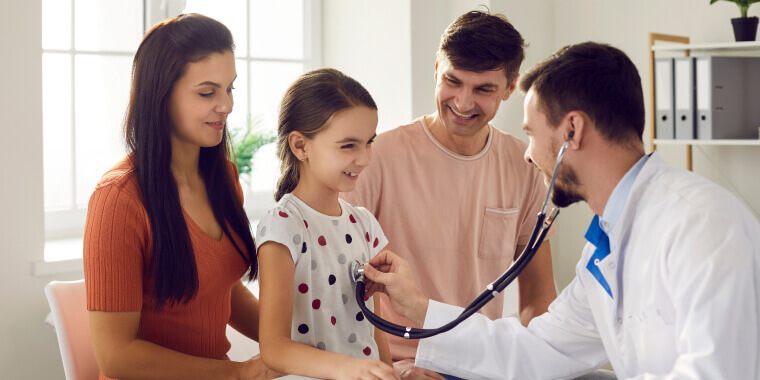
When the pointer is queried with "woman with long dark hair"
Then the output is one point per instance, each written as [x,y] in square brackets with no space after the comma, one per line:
[166,240]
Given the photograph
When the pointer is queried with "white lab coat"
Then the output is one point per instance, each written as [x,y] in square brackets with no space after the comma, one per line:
[685,275]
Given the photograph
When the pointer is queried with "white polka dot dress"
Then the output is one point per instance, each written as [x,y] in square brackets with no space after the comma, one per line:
[325,313]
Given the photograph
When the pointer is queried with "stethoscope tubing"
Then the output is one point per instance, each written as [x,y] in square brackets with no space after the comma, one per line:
[543,224]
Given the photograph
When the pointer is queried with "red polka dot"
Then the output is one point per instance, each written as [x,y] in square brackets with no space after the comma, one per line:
[322,241]
[367,236]
[303,288]
[306,223]
[315,304]
[374,245]
[351,218]
[333,320]
[367,351]
[284,215]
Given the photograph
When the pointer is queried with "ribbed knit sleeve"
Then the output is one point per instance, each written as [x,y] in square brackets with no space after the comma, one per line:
[115,242]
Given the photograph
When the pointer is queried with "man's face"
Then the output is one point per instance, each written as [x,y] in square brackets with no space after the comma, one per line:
[544,145]
[468,100]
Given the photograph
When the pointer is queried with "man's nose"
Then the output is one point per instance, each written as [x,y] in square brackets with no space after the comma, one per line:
[526,156]
[464,100]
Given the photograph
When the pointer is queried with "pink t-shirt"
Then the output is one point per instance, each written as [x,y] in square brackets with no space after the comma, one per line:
[456,219]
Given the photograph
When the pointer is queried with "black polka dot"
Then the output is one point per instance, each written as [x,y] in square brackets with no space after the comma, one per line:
[303,248]
[303,329]
[349,239]
[331,279]
[359,317]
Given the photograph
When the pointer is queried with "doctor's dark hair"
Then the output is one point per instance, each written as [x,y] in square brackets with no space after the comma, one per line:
[595,78]
[309,104]
[482,41]
[159,63]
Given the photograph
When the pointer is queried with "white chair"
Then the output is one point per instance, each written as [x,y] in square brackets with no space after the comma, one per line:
[68,305]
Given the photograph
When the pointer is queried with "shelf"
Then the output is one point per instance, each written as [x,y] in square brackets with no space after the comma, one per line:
[708,46]
[745,142]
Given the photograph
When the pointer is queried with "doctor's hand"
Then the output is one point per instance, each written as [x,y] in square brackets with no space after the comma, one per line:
[406,370]
[395,279]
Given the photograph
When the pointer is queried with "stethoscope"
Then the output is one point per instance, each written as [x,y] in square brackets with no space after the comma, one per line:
[543,223]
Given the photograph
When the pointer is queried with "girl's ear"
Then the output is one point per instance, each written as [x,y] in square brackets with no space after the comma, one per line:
[297,143]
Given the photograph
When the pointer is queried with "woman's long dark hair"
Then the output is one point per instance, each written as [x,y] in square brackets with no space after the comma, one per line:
[159,62]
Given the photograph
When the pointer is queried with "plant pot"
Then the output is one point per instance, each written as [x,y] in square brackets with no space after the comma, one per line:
[745,28]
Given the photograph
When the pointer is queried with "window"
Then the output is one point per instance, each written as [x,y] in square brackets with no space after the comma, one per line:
[87,52]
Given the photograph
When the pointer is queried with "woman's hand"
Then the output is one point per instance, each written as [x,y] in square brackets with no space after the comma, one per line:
[255,369]
[390,274]
[365,369]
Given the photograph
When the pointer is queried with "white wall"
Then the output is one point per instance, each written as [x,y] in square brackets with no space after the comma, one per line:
[370,41]
[28,347]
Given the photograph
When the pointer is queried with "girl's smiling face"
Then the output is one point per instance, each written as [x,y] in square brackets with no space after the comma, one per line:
[336,156]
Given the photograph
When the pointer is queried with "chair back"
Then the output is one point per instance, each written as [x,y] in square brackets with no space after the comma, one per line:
[68,305]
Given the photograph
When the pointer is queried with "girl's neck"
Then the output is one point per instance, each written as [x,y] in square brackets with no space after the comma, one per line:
[185,160]
[321,198]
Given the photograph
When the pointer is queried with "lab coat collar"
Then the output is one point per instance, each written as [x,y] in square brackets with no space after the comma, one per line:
[619,196]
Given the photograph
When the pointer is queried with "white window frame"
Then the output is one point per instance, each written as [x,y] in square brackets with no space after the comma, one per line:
[67,225]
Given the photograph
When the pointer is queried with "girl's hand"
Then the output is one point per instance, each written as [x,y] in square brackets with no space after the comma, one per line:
[366,370]
[255,369]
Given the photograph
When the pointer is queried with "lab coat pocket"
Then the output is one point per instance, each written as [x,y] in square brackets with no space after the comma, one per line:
[654,340]
[498,235]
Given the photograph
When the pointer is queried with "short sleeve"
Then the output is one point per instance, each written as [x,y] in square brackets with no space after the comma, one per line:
[534,198]
[374,235]
[115,241]
[280,226]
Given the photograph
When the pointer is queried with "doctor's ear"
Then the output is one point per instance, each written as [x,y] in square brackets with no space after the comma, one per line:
[298,145]
[575,123]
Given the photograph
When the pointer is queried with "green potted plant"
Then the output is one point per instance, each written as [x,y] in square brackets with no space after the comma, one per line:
[745,28]
[245,142]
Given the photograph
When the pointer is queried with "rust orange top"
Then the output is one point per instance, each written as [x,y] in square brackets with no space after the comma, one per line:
[117,251]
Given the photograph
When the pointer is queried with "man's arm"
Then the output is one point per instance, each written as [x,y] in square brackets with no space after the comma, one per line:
[562,343]
[536,284]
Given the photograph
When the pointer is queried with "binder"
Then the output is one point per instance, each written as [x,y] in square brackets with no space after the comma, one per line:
[684,94]
[663,96]
[728,92]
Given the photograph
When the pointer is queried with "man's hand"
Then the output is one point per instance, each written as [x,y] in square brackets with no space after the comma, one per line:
[406,370]
[395,279]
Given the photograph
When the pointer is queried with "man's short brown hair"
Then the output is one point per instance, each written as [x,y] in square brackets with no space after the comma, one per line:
[594,78]
[481,41]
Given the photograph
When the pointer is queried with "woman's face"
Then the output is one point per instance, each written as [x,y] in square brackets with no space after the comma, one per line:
[201,100]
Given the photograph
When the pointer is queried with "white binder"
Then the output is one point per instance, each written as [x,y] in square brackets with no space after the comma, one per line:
[663,97]
[728,89]
[684,98]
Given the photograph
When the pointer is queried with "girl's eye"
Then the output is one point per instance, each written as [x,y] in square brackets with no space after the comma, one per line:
[230,89]
[206,94]
[347,146]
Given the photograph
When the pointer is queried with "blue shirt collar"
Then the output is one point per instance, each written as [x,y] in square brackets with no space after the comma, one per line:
[619,195]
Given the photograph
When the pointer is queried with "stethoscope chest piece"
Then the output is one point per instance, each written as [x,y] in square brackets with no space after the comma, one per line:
[356,271]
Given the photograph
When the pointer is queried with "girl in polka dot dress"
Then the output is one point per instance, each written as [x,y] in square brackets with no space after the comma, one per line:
[310,322]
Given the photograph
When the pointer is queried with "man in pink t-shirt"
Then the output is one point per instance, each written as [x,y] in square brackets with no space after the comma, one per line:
[453,193]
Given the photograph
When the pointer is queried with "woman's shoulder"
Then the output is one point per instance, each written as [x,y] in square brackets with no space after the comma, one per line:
[122,176]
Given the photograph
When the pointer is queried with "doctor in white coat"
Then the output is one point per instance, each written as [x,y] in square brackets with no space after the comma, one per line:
[668,286]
